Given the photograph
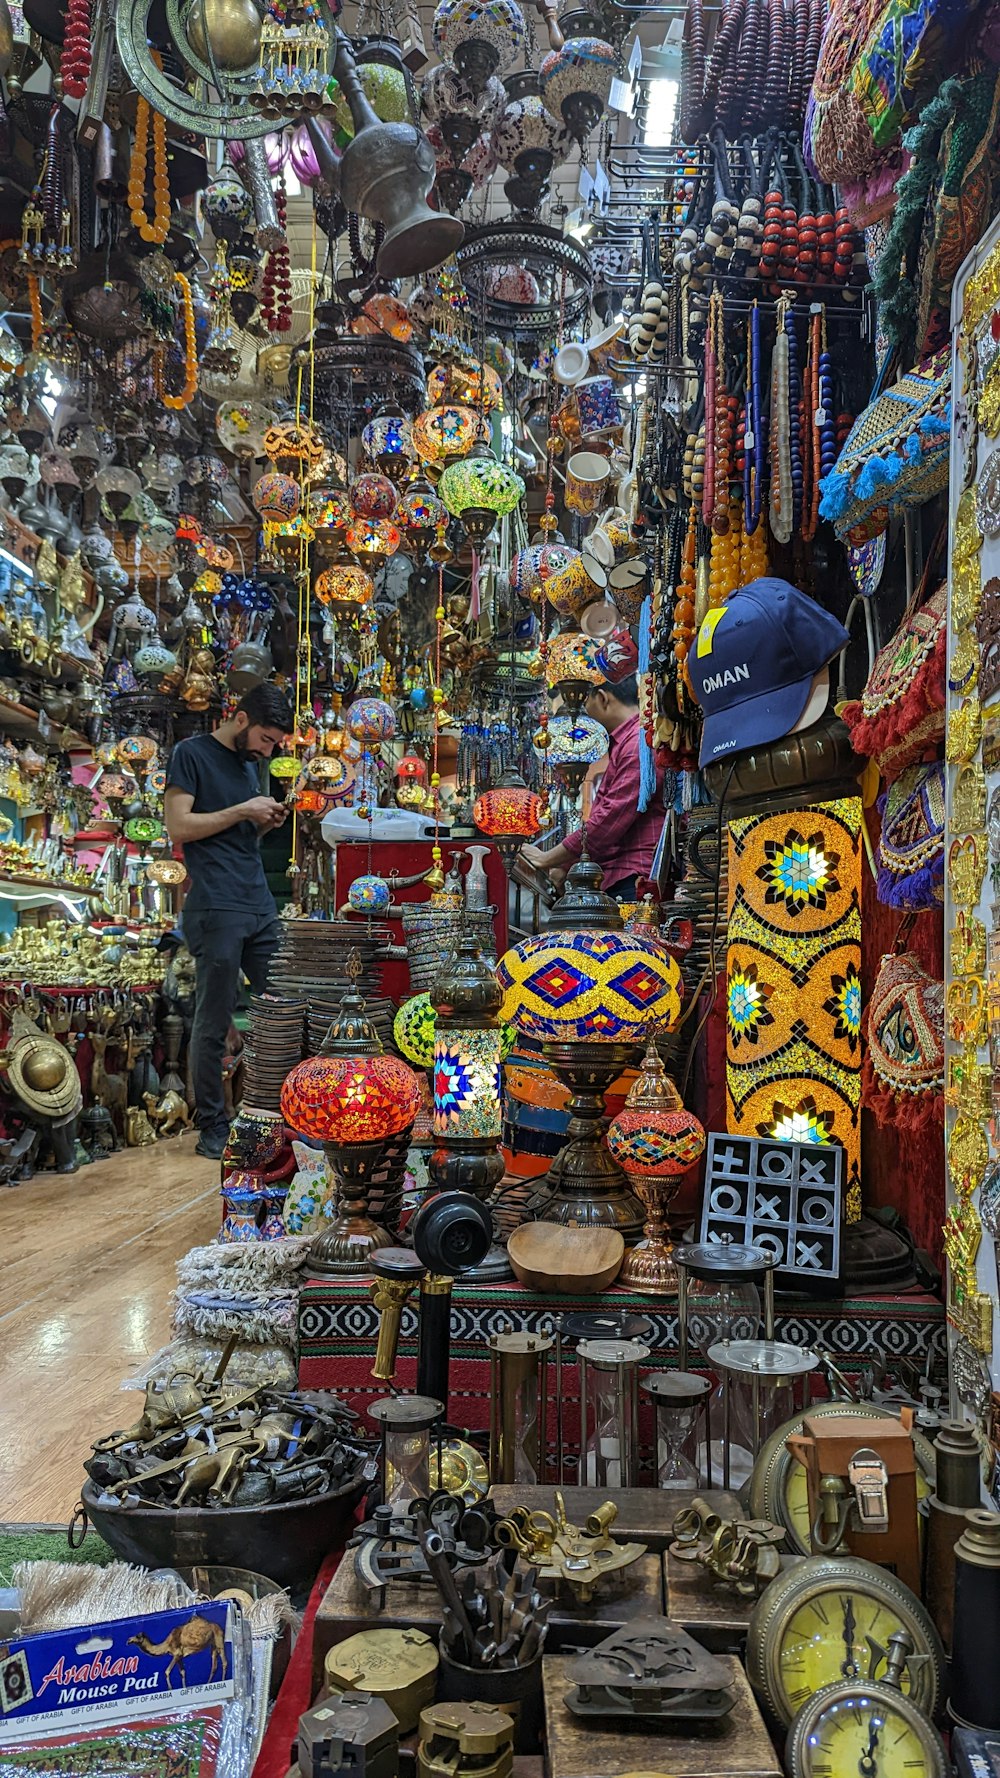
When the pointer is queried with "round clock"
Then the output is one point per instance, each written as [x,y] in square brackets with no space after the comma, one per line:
[866,1727]
[811,1626]
[778,1487]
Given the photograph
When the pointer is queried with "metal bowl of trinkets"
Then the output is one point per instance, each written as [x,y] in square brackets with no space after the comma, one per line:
[254,1477]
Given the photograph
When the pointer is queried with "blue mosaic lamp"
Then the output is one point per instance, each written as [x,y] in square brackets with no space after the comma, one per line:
[592,994]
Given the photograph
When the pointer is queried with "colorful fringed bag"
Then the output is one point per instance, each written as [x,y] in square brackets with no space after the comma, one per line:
[900,716]
[902,1076]
[895,455]
[910,859]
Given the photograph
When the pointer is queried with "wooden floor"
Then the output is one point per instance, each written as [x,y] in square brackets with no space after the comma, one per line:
[87,1268]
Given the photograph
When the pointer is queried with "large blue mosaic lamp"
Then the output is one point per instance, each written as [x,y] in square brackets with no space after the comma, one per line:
[593,994]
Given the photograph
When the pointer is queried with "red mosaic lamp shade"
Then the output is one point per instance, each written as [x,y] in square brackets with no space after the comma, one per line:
[654,1136]
[509,811]
[347,1099]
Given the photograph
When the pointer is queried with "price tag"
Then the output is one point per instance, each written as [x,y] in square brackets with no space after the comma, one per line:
[749,441]
[820,416]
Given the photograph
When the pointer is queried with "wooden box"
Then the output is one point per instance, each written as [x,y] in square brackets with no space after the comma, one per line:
[715,1614]
[588,1747]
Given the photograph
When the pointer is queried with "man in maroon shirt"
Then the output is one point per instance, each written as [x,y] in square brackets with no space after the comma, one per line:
[620,839]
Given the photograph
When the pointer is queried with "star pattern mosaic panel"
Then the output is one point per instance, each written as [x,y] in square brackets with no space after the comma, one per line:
[782,1196]
[468,1085]
[793,988]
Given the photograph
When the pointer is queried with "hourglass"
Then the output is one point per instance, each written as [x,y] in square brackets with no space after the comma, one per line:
[758,1392]
[718,1301]
[678,1397]
[405,1422]
[609,1412]
[518,1400]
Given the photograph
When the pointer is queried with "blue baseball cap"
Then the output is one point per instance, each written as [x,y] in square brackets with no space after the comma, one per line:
[753,662]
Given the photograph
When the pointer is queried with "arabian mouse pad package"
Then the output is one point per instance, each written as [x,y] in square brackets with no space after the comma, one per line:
[167,1692]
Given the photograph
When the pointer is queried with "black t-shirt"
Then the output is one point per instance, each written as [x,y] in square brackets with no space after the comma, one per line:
[226,870]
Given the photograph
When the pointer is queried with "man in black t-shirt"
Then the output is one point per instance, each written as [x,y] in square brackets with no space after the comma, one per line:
[215,811]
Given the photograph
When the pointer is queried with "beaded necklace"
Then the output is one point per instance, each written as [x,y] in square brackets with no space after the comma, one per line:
[753,434]
[684,608]
[781,497]
[155,231]
[190,386]
[810,432]
[74,63]
[794,417]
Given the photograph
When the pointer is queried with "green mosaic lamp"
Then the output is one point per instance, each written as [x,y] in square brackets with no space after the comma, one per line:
[479,490]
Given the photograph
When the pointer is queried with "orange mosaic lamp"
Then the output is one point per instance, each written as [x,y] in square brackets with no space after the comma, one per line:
[352,1098]
[655,1139]
[509,814]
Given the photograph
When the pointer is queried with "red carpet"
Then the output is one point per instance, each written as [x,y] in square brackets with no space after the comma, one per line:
[295,1694]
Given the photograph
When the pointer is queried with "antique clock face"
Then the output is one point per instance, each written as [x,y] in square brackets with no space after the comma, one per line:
[811,1626]
[868,1728]
[779,1490]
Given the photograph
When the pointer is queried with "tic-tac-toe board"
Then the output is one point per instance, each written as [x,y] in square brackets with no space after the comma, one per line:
[782,1196]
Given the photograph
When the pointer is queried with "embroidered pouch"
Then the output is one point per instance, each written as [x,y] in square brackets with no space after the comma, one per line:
[900,716]
[895,455]
[911,844]
[903,1023]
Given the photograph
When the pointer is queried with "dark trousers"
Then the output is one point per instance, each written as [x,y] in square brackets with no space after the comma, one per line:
[223,944]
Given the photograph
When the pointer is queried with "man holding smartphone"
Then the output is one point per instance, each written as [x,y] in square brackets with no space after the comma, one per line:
[214,810]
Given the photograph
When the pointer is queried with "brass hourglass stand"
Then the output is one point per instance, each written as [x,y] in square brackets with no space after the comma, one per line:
[518,1405]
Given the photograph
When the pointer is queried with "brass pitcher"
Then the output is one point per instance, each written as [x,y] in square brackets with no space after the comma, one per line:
[385,174]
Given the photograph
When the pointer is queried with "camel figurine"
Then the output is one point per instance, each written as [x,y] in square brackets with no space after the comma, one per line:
[110,1090]
[139,1132]
[169,1114]
[192,1638]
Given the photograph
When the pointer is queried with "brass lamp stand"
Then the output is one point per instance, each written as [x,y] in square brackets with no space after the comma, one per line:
[589,1185]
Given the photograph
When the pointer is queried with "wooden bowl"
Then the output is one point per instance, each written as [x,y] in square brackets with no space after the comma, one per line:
[565,1258]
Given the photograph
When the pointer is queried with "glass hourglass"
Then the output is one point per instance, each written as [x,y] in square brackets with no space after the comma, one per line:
[678,1397]
[609,1411]
[718,1302]
[405,1423]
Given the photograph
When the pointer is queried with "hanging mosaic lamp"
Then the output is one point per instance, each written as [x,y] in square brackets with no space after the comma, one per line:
[419,512]
[508,815]
[372,541]
[373,497]
[481,37]
[328,512]
[276,497]
[576,82]
[460,114]
[385,89]
[344,589]
[572,669]
[388,441]
[369,895]
[445,432]
[466,381]
[528,140]
[574,744]
[478,491]
[371,719]
[350,1098]
[656,1140]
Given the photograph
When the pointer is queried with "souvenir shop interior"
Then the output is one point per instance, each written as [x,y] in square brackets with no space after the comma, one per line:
[499,831]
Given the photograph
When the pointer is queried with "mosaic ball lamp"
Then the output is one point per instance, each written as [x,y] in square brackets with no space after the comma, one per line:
[474,385]
[419,512]
[656,1141]
[508,815]
[369,895]
[388,441]
[576,82]
[385,89]
[277,497]
[513,284]
[575,743]
[344,588]
[373,497]
[372,541]
[528,140]
[532,569]
[414,1027]
[351,1098]
[448,430]
[592,994]
[479,491]
[480,37]
[371,719]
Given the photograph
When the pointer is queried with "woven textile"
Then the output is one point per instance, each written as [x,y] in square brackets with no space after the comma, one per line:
[911,844]
[899,717]
[904,1026]
[793,1058]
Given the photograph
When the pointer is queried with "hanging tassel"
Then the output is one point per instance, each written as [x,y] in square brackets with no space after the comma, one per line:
[647,761]
[475,603]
